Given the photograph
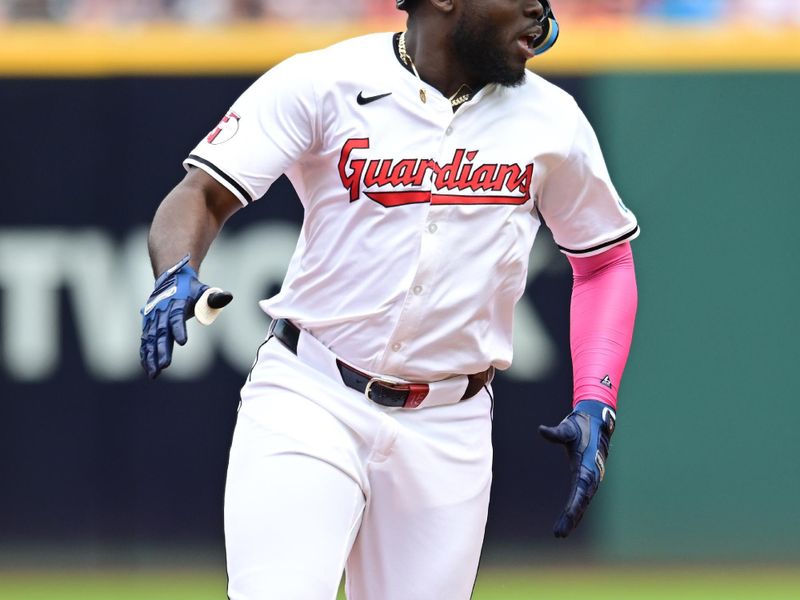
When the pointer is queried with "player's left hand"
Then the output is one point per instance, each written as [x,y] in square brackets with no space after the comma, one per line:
[585,433]
[164,316]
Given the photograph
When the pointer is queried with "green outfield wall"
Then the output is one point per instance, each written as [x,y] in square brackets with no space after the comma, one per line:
[704,463]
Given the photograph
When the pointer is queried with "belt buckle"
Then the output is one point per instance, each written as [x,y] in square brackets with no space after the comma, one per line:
[416,392]
[368,389]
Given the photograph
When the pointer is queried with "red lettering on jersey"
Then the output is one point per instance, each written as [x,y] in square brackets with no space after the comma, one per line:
[461,174]
[403,173]
[352,181]
[377,173]
[484,177]
[446,177]
[422,170]
[523,180]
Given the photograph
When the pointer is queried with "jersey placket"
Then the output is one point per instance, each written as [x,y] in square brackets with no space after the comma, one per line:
[433,250]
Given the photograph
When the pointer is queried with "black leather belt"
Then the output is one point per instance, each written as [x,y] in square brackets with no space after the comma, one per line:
[380,391]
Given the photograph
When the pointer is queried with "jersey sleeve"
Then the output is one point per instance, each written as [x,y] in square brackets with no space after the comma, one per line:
[269,127]
[580,204]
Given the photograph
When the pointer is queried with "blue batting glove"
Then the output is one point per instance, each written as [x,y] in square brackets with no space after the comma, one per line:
[585,433]
[164,316]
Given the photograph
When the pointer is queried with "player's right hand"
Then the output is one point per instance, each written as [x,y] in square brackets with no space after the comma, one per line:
[165,314]
[586,434]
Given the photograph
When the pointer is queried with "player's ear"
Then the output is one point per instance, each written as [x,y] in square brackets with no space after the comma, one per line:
[444,6]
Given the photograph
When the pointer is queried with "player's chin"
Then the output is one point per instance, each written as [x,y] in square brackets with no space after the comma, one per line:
[501,67]
[514,72]
[512,76]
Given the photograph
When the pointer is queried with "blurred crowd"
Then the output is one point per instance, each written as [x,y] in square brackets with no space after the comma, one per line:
[222,11]
[203,11]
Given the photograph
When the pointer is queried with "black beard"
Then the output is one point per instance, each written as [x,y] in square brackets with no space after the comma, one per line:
[482,53]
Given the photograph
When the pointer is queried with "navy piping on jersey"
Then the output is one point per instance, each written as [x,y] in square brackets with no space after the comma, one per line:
[225,176]
[621,238]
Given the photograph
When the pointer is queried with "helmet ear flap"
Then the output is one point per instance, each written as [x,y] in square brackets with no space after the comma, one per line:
[550,30]
[549,36]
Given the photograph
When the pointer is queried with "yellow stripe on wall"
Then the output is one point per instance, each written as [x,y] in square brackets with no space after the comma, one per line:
[42,50]
[159,49]
[651,46]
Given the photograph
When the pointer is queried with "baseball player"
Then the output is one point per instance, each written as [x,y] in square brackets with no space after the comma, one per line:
[425,162]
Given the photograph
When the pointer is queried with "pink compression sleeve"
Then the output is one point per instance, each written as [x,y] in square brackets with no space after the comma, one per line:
[602,313]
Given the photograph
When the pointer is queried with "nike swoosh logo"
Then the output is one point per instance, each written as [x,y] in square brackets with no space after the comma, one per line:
[362,99]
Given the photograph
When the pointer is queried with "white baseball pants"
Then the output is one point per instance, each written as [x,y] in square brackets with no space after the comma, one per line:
[322,480]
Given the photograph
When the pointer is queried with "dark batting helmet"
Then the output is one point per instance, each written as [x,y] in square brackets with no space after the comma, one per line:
[549,26]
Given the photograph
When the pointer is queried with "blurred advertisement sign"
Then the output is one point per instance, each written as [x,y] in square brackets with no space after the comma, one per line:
[105,282]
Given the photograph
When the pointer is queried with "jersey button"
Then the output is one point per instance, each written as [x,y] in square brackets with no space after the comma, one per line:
[448,131]
[396,346]
[433,228]
[417,290]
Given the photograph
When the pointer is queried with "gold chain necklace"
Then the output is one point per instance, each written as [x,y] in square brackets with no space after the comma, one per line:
[455,100]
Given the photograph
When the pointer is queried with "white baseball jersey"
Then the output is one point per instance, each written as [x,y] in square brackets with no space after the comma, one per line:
[418,220]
